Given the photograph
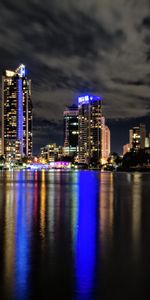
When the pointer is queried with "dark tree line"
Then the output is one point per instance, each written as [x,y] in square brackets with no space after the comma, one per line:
[136,158]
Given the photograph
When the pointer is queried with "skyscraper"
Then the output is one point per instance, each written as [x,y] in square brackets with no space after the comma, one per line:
[71,130]
[90,113]
[16,114]
[105,142]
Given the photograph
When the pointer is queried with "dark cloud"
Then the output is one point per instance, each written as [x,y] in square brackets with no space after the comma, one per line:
[46,132]
[146,22]
[129,82]
[145,81]
[70,47]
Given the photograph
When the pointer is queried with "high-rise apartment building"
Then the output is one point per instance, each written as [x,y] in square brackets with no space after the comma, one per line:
[137,137]
[105,141]
[16,114]
[71,131]
[90,116]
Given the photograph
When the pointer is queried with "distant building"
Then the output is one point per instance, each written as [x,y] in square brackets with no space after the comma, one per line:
[71,131]
[105,142]
[16,114]
[90,116]
[126,148]
[49,152]
[137,137]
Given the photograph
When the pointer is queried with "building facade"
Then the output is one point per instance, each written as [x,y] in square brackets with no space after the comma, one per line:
[71,131]
[16,114]
[49,153]
[137,136]
[106,142]
[90,116]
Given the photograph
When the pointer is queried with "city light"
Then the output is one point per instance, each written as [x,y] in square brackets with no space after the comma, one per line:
[20,114]
[87,99]
[21,70]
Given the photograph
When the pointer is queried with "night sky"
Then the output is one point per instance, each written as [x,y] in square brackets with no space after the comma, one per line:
[88,46]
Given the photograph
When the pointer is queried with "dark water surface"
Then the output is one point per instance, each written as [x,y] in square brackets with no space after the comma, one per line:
[77,235]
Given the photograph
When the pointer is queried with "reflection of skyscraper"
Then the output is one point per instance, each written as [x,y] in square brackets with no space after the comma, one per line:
[16,114]
[136,212]
[105,142]
[106,200]
[43,204]
[90,112]
[86,234]
[71,130]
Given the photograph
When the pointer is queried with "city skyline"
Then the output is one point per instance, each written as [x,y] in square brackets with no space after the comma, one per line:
[74,149]
[21,72]
[96,47]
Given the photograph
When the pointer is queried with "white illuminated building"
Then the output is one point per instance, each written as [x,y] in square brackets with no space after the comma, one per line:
[105,142]
[16,114]
[90,130]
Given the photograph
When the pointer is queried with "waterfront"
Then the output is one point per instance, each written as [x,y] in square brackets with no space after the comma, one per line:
[81,235]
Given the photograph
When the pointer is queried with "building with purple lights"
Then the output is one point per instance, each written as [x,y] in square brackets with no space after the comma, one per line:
[16,114]
[90,118]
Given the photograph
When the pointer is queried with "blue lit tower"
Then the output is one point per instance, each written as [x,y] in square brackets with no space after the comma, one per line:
[16,114]
[90,118]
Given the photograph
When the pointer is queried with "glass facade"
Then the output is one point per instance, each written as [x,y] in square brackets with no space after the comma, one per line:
[71,130]
[16,114]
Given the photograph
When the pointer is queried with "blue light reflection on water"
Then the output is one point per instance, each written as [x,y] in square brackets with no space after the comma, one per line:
[85,256]
[93,239]
[23,213]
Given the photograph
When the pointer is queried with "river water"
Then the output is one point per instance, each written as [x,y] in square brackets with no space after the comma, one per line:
[74,235]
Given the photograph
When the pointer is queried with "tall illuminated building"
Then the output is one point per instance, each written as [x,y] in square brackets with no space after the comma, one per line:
[16,114]
[90,117]
[71,130]
[105,142]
